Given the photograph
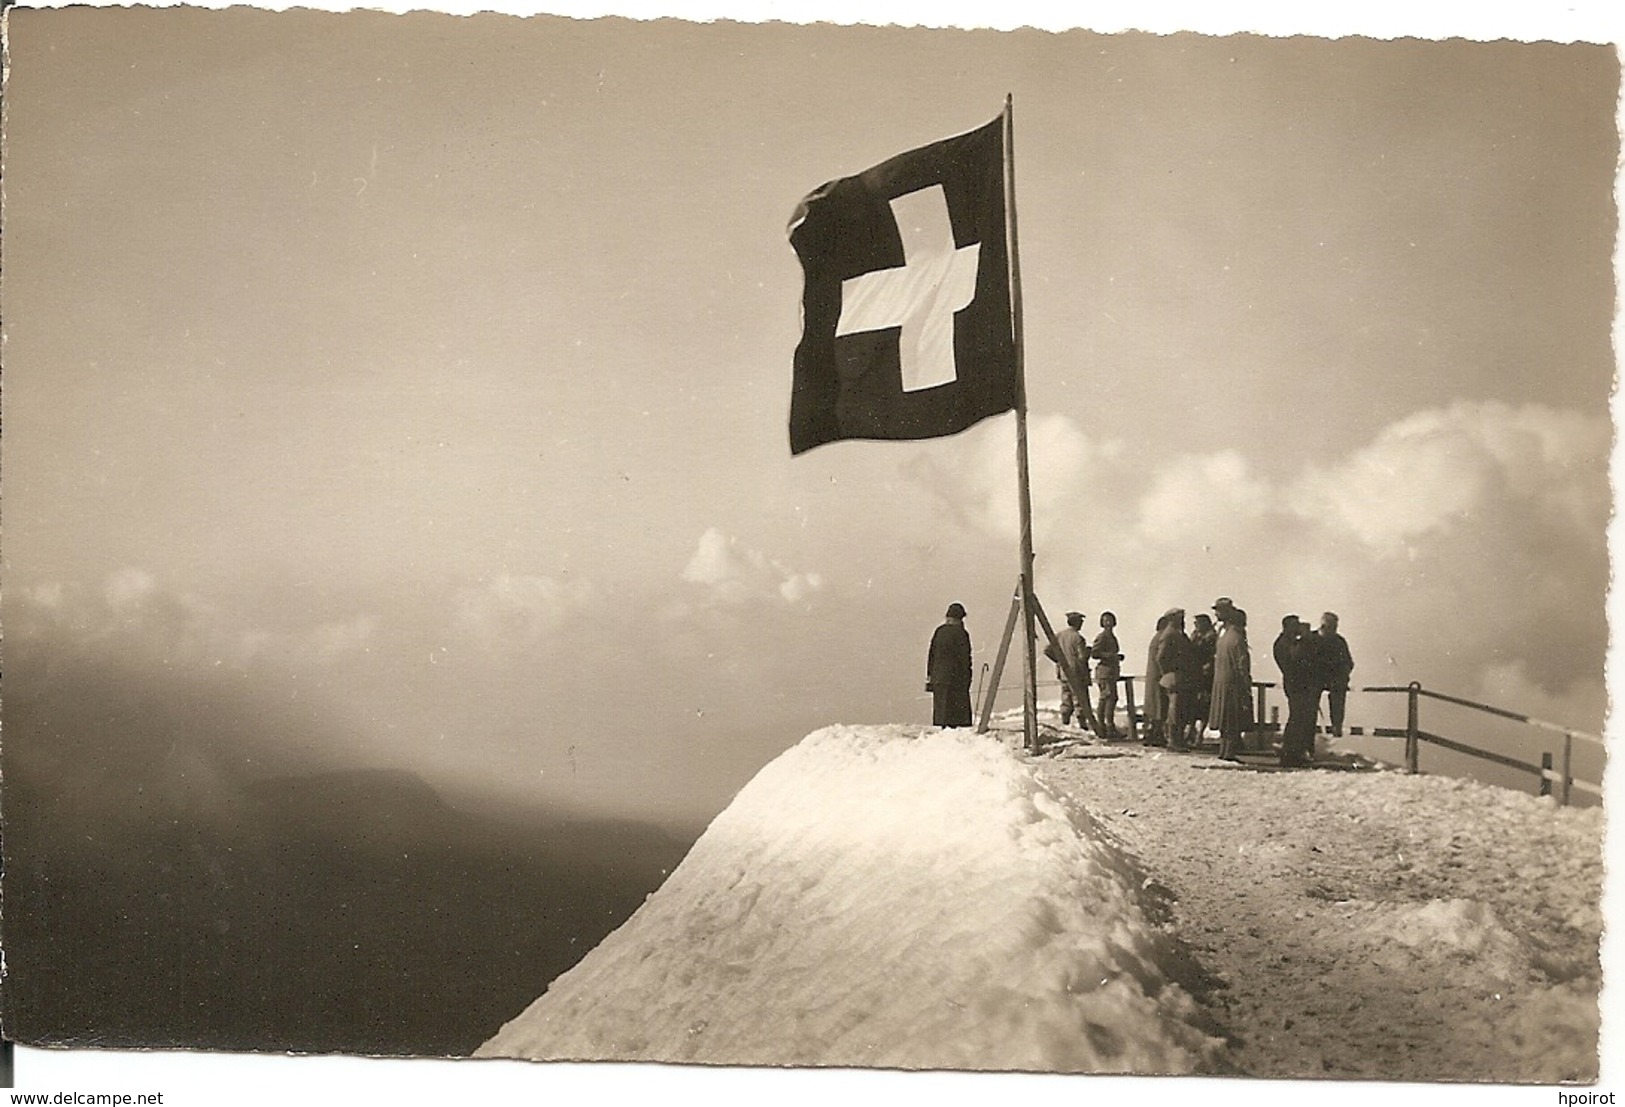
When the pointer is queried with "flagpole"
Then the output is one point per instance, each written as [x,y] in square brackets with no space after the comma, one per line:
[1029,633]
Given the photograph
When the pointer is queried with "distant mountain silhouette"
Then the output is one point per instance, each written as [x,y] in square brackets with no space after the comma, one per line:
[374,806]
[171,903]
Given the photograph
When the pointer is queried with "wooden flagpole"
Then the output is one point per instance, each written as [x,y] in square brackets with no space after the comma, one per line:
[1029,633]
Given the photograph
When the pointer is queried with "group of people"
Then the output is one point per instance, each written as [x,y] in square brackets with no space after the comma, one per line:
[948,670]
[1107,657]
[1200,680]
[1194,681]
[1311,662]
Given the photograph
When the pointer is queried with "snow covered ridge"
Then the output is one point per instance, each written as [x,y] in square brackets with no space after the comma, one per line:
[887,897]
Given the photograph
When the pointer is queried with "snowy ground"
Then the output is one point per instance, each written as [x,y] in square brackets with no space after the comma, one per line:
[895,897]
[1367,924]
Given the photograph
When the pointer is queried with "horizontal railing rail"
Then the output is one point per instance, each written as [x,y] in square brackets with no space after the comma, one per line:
[1489,709]
[1545,774]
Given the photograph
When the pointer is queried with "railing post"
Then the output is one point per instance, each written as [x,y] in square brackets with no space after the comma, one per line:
[1128,700]
[1568,769]
[1262,740]
[1412,727]
[1545,767]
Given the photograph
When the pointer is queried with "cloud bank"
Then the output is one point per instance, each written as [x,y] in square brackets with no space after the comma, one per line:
[1463,546]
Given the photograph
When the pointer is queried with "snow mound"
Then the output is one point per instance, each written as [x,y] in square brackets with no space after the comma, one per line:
[1463,925]
[1552,1035]
[1544,1020]
[1445,929]
[885,897]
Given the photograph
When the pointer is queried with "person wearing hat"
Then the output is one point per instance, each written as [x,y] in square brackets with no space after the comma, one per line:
[1108,661]
[1232,679]
[948,670]
[1075,651]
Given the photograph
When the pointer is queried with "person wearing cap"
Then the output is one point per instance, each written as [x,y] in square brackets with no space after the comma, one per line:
[1232,679]
[1337,666]
[948,670]
[1076,652]
[1108,668]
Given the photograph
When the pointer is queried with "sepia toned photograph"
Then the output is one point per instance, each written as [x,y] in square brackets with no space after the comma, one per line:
[687,543]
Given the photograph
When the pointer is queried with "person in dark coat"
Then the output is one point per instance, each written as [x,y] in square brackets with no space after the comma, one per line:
[948,671]
[1108,657]
[1297,655]
[1176,664]
[1232,679]
[1204,640]
[1337,666]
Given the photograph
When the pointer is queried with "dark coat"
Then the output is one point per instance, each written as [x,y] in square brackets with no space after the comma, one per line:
[948,662]
[1296,657]
[1202,646]
[948,674]
[1337,663]
[1175,656]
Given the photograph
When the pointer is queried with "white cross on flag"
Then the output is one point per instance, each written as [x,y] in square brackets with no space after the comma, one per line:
[906,325]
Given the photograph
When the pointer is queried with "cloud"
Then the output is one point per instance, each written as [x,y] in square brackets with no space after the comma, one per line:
[979,491]
[49,595]
[1434,470]
[1205,494]
[132,612]
[129,589]
[732,574]
[1510,683]
[332,640]
[132,607]
[508,612]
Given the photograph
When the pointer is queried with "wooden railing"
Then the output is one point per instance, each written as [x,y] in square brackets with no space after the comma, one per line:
[1414,736]
[1546,773]
[1260,690]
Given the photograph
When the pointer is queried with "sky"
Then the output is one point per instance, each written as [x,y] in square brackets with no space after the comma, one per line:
[428,376]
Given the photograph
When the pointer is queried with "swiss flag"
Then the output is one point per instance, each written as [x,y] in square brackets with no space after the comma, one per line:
[906,322]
